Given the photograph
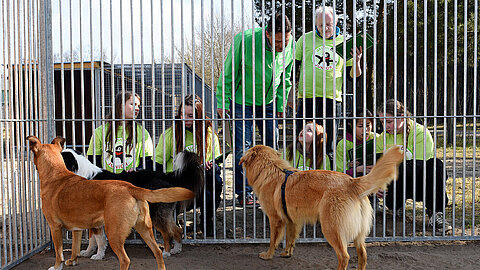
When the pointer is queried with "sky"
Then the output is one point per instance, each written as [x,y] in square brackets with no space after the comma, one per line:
[151,23]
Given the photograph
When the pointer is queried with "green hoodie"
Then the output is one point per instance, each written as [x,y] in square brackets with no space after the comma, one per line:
[271,89]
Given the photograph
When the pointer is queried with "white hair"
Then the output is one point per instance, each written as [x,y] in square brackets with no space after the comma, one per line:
[85,167]
[321,10]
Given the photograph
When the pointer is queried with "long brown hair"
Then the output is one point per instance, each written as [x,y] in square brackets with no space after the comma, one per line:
[201,142]
[393,106]
[119,105]
[319,137]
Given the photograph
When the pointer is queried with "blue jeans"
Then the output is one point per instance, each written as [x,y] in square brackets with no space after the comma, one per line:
[242,144]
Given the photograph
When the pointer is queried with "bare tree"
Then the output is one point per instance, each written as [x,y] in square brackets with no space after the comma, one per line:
[207,53]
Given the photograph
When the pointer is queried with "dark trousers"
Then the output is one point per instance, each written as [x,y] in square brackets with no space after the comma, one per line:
[414,186]
[329,127]
[211,196]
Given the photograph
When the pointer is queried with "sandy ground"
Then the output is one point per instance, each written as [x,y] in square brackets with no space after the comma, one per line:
[413,255]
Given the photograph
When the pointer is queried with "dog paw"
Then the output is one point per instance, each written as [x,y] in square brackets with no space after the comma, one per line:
[264,256]
[285,254]
[177,248]
[166,254]
[86,253]
[71,262]
[97,257]
[58,268]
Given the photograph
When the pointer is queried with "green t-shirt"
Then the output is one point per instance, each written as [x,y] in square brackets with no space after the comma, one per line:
[315,58]
[115,158]
[348,145]
[415,138]
[308,166]
[169,150]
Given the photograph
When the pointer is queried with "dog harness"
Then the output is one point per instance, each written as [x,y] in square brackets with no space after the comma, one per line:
[284,203]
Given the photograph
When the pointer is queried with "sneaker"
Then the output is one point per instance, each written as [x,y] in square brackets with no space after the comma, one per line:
[439,222]
[249,201]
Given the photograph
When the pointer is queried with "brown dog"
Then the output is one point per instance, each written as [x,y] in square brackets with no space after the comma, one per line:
[70,202]
[335,199]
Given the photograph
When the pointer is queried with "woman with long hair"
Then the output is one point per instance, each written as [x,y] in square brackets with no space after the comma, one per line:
[118,145]
[199,137]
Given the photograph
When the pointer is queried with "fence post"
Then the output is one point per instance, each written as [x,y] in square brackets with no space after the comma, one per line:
[46,66]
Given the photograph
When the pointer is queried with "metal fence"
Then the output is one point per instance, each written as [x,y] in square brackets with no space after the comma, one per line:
[63,61]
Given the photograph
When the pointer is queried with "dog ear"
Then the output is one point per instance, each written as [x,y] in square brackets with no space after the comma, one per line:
[34,143]
[249,155]
[59,140]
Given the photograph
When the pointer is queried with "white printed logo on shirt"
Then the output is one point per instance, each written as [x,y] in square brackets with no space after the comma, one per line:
[116,159]
[325,60]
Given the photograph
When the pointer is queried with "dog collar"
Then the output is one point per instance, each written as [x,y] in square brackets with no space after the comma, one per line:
[284,203]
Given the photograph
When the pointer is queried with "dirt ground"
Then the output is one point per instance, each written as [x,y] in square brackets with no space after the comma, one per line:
[411,255]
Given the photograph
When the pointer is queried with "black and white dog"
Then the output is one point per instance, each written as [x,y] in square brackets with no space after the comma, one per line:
[188,173]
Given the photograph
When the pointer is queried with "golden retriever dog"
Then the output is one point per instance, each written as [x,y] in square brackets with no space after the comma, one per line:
[335,199]
[71,202]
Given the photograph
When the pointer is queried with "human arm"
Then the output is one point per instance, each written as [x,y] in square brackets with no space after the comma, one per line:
[358,58]
[224,85]
[285,81]
[162,150]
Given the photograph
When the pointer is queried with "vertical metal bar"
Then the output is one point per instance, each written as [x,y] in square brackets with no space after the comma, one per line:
[445,98]
[3,115]
[154,87]
[464,137]
[384,84]
[455,74]
[133,82]
[425,123]
[82,81]
[475,41]
[435,98]
[72,77]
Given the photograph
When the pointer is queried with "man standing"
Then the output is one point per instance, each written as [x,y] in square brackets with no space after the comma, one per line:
[317,62]
[253,86]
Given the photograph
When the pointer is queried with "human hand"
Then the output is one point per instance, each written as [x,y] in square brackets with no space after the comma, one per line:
[380,193]
[364,169]
[359,54]
[222,112]
[208,165]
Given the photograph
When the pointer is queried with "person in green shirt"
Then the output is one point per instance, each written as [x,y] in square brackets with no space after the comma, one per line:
[198,137]
[311,137]
[255,82]
[363,130]
[401,130]
[317,63]
[126,147]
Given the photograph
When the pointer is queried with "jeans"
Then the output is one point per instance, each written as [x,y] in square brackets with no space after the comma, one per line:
[329,130]
[242,144]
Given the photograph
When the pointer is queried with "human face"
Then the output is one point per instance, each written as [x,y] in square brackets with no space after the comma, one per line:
[330,25]
[393,125]
[278,40]
[307,133]
[362,130]
[132,107]
[188,115]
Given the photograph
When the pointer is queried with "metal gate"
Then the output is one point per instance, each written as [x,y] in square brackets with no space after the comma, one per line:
[62,62]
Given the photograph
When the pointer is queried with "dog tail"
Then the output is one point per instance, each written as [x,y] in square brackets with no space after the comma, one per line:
[165,195]
[381,174]
[188,172]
